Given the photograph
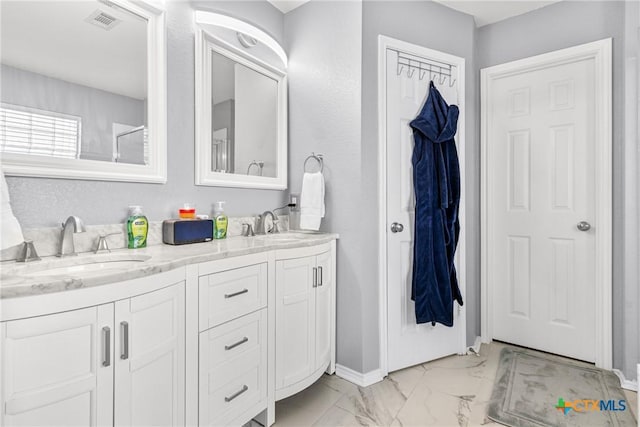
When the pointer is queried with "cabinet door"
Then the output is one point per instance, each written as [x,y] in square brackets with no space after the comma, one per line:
[57,370]
[150,367]
[324,317]
[295,320]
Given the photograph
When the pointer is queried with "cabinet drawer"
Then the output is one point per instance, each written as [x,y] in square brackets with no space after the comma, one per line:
[233,379]
[235,338]
[230,294]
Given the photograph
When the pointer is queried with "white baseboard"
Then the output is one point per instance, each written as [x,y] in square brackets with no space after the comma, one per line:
[475,348]
[360,379]
[624,382]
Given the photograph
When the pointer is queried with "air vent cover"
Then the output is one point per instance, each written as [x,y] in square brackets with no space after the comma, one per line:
[102,19]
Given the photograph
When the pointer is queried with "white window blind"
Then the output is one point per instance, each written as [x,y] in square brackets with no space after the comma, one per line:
[25,130]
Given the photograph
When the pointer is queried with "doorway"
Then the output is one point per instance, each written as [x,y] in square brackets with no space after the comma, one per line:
[401,94]
[546,202]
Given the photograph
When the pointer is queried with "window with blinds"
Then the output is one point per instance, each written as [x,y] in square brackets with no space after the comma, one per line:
[25,130]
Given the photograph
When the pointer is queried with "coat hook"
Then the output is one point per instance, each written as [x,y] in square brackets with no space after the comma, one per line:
[422,73]
[452,82]
[400,68]
[410,72]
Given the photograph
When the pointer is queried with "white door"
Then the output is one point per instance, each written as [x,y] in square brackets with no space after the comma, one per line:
[57,370]
[295,317]
[542,128]
[150,351]
[408,343]
[324,323]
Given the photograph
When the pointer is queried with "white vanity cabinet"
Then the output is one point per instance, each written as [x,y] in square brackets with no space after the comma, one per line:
[118,363]
[305,317]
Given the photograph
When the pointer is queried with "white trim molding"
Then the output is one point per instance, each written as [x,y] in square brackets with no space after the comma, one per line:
[600,53]
[475,348]
[385,43]
[358,378]
[624,382]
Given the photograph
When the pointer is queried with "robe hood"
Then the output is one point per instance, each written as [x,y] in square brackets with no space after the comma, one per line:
[437,120]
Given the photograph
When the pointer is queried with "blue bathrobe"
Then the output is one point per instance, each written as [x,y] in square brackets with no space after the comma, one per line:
[436,181]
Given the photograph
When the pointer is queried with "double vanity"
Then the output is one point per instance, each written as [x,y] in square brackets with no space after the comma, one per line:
[205,334]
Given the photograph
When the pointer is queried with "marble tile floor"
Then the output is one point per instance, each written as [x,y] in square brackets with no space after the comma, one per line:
[452,391]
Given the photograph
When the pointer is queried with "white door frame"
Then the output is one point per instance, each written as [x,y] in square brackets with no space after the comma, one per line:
[385,42]
[600,52]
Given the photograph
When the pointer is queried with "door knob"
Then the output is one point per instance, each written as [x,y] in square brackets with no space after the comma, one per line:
[397,228]
[583,226]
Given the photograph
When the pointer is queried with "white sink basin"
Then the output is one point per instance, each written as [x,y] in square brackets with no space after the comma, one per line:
[81,265]
[286,237]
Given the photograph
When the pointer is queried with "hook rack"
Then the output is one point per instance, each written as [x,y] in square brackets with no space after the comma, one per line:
[318,158]
[437,71]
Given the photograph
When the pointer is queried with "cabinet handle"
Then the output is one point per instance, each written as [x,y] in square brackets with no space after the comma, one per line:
[315,277]
[124,336]
[106,345]
[235,294]
[236,394]
[321,281]
[234,345]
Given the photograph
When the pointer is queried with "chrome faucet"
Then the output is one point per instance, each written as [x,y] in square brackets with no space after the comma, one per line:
[261,227]
[72,225]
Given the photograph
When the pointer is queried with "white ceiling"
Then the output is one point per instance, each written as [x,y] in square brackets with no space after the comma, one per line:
[51,38]
[488,12]
[484,11]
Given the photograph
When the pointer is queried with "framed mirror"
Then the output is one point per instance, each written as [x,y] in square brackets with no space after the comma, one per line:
[83,90]
[241,109]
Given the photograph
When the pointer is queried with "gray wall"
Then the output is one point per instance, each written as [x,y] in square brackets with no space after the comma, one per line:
[97,108]
[430,25]
[558,26]
[323,40]
[45,202]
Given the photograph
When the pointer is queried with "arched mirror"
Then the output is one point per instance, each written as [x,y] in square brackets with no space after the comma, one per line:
[83,90]
[241,105]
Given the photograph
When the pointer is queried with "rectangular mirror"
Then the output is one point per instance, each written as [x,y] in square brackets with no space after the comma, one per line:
[240,117]
[83,90]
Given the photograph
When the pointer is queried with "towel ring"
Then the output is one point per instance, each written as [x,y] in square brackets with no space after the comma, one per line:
[317,158]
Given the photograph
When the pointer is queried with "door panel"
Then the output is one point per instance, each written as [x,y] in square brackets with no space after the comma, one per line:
[323,311]
[52,369]
[408,343]
[150,378]
[295,318]
[543,129]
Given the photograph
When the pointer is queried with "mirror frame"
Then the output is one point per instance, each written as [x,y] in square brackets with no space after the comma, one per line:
[205,43]
[156,170]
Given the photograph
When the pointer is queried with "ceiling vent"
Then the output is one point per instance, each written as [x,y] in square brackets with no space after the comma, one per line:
[102,20]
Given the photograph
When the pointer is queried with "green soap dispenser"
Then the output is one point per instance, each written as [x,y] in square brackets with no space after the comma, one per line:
[220,221]
[137,228]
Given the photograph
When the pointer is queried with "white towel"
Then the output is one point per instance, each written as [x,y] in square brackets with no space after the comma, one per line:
[312,201]
[10,230]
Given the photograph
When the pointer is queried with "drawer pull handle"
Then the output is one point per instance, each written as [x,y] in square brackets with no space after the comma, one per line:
[315,277]
[232,346]
[106,345]
[236,394]
[235,294]
[320,282]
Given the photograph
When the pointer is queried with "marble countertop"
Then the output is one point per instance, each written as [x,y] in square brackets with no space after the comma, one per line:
[53,274]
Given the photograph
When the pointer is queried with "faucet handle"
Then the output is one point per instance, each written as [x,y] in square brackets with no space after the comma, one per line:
[103,246]
[249,231]
[28,252]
